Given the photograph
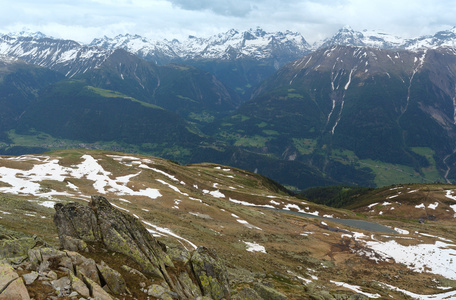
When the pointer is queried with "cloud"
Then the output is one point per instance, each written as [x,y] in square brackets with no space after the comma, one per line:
[222,7]
[84,20]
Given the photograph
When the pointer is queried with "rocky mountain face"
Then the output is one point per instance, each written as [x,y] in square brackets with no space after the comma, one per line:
[353,104]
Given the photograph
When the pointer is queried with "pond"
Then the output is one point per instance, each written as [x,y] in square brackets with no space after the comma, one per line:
[360,224]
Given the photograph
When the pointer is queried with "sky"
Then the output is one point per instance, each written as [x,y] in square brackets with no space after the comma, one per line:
[84,20]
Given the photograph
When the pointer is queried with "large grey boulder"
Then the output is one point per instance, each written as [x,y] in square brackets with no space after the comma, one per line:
[200,273]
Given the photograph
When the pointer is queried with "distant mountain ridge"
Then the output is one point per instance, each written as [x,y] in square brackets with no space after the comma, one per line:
[65,56]
[233,44]
[346,36]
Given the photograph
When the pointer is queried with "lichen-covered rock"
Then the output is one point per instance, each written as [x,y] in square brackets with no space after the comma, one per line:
[125,234]
[159,292]
[113,279]
[210,273]
[73,244]
[247,294]
[77,221]
[11,285]
[194,274]
[89,269]
[268,292]
[39,257]
[79,286]
[97,291]
[11,248]
[62,286]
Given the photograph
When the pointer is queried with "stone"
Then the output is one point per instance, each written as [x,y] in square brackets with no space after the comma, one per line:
[210,273]
[133,271]
[125,234]
[97,291]
[198,273]
[113,279]
[159,292]
[52,275]
[189,288]
[266,292]
[12,248]
[11,285]
[77,221]
[88,268]
[247,294]
[73,244]
[79,286]
[30,277]
[62,286]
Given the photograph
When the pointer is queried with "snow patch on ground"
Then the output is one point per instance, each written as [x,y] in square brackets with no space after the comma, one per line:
[355,288]
[440,296]
[449,195]
[215,194]
[248,225]
[254,247]
[166,231]
[433,206]
[438,258]
[401,231]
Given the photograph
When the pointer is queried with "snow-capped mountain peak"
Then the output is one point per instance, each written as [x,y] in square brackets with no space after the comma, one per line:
[28,33]
[233,44]
[346,36]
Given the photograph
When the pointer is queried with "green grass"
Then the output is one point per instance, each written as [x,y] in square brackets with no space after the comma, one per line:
[204,117]
[389,174]
[114,94]
[240,117]
[294,95]
[431,171]
[305,146]
[255,141]
[270,132]
[343,156]
[186,98]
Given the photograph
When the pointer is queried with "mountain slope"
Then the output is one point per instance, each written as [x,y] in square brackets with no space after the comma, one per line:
[20,84]
[240,60]
[74,110]
[191,93]
[352,105]
[255,228]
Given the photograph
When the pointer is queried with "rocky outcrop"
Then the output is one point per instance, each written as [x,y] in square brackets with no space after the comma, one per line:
[189,276]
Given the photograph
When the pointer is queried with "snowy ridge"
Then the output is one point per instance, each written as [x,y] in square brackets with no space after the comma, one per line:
[65,56]
[233,44]
[375,39]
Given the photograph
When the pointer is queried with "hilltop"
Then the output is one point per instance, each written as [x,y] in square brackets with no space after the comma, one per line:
[262,234]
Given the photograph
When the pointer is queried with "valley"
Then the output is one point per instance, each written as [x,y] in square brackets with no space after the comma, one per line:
[364,109]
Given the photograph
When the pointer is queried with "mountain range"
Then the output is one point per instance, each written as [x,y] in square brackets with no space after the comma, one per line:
[361,108]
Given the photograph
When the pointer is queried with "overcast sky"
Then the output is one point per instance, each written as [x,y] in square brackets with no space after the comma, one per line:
[83,20]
